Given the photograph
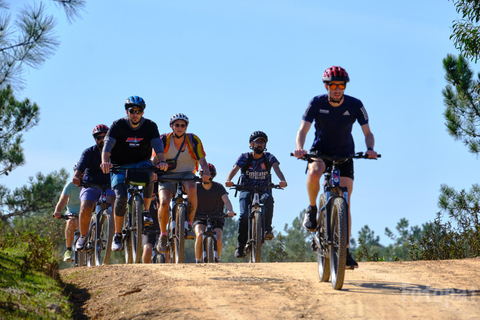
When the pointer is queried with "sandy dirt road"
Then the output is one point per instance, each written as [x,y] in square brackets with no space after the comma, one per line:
[377,290]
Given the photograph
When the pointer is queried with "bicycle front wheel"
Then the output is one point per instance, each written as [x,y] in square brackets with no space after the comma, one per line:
[127,242]
[179,233]
[171,239]
[256,247]
[323,256]
[209,249]
[137,228]
[103,245]
[338,250]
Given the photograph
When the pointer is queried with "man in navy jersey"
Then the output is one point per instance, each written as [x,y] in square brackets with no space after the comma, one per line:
[89,168]
[334,114]
[255,167]
[129,142]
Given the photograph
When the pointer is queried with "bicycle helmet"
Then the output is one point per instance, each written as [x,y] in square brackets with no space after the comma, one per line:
[99,129]
[75,166]
[178,116]
[212,169]
[335,73]
[135,101]
[258,134]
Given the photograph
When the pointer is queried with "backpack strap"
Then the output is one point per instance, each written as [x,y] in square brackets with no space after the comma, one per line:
[250,160]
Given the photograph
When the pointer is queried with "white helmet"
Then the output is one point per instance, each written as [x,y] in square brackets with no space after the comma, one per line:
[178,116]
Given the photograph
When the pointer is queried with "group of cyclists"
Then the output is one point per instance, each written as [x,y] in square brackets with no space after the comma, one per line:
[135,142]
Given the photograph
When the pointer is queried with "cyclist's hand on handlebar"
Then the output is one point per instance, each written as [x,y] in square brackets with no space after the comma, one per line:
[76,181]
[106,166]
[282,184]
[299,153]
[230,214]
[228,184]
[162,165]
[206,178]
[57,215]
[372,154]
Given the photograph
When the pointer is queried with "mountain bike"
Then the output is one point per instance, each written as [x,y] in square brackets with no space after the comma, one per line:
[256,220]
[79,259]
[177,226]
[331,237]
[210,238]
[98,245]
[133,228]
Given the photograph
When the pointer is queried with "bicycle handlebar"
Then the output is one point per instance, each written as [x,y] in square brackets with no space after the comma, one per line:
[93,185]
[67,216]
[162,178]
[255,189]
[359,155]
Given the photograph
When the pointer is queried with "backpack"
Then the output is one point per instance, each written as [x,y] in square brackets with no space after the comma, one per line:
[250,160]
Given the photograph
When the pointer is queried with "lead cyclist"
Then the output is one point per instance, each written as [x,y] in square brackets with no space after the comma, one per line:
[334,114]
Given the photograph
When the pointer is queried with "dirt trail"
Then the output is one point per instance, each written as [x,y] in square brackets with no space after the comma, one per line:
[383,290]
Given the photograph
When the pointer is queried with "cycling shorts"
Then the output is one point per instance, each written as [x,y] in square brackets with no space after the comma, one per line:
[217,223]
[346,168]
[93,194]
[172,186]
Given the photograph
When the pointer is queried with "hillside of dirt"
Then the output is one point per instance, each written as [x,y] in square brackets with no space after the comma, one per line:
[377,290]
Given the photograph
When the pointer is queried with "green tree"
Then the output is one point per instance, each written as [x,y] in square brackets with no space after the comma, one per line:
[466,30]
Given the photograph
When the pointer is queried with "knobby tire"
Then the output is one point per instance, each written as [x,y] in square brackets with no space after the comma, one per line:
[256,251]
[180,233]
[103,244]
[210,249]
[90,244]
[338,250]
[127,242]
[171,239]
[137,229]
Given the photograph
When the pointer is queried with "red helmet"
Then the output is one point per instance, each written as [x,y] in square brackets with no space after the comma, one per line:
[212,169]
[335,73]
[99,129]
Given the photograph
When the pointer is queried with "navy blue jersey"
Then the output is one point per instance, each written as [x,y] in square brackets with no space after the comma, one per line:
[89,163]
[132,145]
[333,125]
[257,174]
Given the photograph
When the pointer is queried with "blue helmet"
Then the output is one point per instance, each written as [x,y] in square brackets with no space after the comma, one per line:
[135,101]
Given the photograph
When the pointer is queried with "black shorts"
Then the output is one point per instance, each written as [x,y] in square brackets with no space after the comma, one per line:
[150,237]
[346,168]
[217,223]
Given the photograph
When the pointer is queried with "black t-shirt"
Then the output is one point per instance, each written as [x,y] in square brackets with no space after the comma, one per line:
[132,145]
[210,201]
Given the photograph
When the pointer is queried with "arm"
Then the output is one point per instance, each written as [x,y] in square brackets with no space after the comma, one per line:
[62,202]
[206,171]
[300,140]
[228,205]
[369,141]
[105,165]
[77,178]
[230,176]
[276,168]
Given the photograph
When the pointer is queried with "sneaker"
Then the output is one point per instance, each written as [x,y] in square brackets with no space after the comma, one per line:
[269,235]
[68,256]
[162,244]
[117,242]
[239,253]
[189,233]
[79,246]
[147,220]
[310,219]
[351,263]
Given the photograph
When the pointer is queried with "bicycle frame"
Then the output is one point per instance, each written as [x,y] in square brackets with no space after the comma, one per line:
[210,233]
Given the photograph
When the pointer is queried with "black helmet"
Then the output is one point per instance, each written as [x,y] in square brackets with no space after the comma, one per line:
[212,169]
[135,101]
[99,129]
[335,73]
[258,134]
[178,116]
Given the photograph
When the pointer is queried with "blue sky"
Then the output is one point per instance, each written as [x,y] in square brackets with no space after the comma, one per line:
[238,66]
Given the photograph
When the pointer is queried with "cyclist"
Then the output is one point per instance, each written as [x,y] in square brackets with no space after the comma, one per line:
[334,114]
[185,152]
[89,167]
[129,142]
[255,167]
[211,196]
[69,197]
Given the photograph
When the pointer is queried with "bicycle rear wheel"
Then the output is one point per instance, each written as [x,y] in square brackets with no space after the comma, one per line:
[90,244]
[179,232]
[103,244]
[323,256]
[209,249]
[137,228]
[256,247]
[338,250]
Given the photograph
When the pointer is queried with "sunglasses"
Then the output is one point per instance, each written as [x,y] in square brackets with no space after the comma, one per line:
[99,138]
[138,112]
[335,86]
[181,125]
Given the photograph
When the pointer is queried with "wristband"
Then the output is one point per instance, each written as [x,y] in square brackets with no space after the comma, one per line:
[370,149]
